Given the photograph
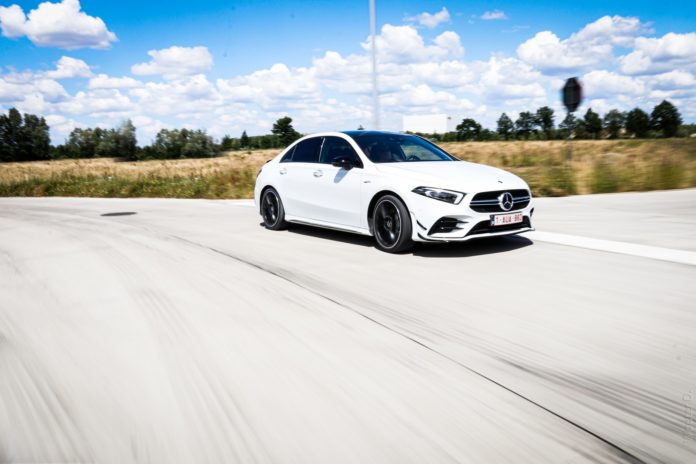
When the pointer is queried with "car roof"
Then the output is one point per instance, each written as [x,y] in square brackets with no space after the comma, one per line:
[361,133]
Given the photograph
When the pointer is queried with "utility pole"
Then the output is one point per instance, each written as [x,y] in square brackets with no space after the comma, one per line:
[375,93]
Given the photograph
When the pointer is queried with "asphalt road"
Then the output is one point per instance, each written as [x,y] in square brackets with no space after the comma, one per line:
[182,331]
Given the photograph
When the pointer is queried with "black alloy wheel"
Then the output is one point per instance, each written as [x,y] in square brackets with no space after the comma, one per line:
[392,225]
[272,210]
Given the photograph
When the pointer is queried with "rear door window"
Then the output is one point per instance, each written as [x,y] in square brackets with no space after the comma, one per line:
[287,157]
[307,151]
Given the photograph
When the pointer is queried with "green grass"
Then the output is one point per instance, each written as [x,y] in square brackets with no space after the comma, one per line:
[596,166]
[231,184]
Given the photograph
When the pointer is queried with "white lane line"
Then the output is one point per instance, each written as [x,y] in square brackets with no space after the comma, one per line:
[611,246]
[644,251]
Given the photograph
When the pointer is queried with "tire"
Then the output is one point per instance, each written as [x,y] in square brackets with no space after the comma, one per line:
[391,225]
[272,210]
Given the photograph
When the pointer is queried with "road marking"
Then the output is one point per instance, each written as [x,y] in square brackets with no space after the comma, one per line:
[611,246]
[633,249]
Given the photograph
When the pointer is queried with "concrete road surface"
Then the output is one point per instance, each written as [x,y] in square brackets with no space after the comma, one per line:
[172,331]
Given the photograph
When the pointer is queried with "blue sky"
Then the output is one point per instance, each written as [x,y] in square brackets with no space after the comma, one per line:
[230,66]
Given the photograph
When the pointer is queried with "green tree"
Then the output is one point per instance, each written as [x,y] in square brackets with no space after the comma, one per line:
[11,135]
[666,118]
[126,140]
[637,122]
[592,123]
[545,120]
[614,121]
[468,129]
[505,126]
[244,140]
[568,125]
[285,132]
[81,143]
[106,143]
[198,144]
[227,143]
[34,140]
[167,144]
[525,124]
[182,143]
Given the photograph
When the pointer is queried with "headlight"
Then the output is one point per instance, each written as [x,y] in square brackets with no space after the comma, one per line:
[449,196]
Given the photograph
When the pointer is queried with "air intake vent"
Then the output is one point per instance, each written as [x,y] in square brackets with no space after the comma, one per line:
[445,225]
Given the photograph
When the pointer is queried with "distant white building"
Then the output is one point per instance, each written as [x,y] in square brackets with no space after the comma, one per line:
[429,123]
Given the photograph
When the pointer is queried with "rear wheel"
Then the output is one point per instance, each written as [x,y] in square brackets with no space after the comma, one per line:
[392,225]
[272,210]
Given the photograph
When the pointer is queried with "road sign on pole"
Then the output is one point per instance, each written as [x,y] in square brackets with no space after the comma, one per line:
[572,94]
[572,97]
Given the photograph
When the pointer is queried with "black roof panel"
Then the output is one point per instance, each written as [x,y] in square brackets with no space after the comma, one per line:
[360,133]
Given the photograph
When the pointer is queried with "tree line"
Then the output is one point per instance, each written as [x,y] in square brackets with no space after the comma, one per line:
[282,134]
[664,121]
[25,137]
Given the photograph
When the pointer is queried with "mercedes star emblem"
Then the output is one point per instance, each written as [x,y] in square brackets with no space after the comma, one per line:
[505,201]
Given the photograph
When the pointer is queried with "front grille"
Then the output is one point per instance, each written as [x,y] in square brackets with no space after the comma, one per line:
[445,225]
[487,202]
[485,227]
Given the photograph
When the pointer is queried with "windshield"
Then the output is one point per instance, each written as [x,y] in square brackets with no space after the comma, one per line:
[399,148]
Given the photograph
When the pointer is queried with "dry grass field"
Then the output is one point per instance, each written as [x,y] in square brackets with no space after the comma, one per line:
[596,166]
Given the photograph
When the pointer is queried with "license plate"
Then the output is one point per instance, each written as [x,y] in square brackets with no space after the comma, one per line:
[506,219]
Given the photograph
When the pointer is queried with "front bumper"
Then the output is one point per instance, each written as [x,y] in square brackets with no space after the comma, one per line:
[438,221]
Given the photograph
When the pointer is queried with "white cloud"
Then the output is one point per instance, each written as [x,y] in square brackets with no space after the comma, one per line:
[11,91]
[547,52]
[272,88]
[493,15]
[17,87]
[60,127]
[97,102]
[509,78]
[189,97]
[431,20]
[450,41]
[607,84]
[619,30]
[652,55]
[403,44]
[50,90]
[175,62]
[590,46]
[419,72]
[146,127]
[60,25]
[68,67]
[673,80]
[103,81]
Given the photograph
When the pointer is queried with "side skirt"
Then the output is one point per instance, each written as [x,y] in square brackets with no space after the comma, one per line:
[326,225]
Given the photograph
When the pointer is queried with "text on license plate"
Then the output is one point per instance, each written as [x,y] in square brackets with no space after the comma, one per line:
[505,219]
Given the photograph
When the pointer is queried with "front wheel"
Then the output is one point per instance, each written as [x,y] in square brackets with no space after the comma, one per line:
[392,225]
[272,210]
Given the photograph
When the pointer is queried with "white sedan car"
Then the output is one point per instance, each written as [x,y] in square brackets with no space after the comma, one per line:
[398,188]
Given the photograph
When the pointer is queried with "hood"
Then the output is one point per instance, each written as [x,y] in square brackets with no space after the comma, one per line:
[456,175]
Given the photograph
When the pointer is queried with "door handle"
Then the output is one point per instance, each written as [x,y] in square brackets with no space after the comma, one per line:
[318,173]
[283,171]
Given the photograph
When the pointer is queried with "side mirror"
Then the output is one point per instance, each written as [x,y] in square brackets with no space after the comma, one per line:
[342,162]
